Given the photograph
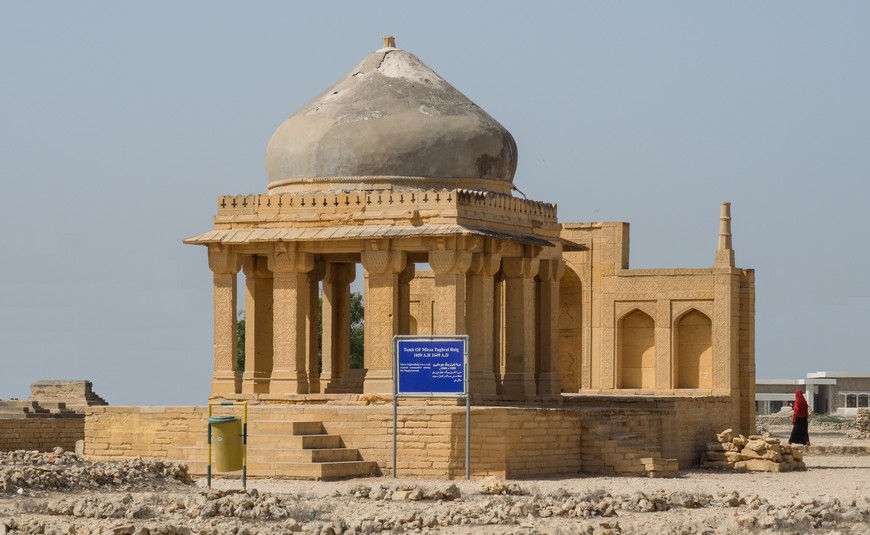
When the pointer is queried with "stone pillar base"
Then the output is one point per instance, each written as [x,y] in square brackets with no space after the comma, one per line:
[549,385]
[288,382]
[378,382]
[518,386]
[482,383]
[224,383]
[256,382]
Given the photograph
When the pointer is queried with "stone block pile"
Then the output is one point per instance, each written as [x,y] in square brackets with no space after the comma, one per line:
[862,421]
[755,453]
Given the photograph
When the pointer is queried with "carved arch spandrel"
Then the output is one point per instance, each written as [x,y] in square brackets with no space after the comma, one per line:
[624,308]
[681,308]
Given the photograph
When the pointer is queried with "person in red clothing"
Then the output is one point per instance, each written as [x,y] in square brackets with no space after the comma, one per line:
[799,431]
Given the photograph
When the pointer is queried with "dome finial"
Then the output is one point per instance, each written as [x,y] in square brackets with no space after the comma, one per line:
[389,42]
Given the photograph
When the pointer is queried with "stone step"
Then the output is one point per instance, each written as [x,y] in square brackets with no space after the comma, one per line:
[189,454]
[295,441]
[303,456]
[284,427]
[278,442]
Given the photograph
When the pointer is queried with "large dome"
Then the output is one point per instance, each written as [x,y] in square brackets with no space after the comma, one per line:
[391,121]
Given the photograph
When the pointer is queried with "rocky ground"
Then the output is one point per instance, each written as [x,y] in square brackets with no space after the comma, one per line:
[59,494]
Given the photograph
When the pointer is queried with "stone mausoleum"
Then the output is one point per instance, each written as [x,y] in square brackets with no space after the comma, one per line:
[577,363]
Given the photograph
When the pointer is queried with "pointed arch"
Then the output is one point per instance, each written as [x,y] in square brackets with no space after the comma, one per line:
[636,355]
[693,350]
[570,330]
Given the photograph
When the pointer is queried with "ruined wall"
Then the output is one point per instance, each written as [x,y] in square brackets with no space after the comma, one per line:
[43,434]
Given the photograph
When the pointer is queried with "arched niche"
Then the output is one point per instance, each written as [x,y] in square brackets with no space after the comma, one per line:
[693,350]
[636,351]
[570,331]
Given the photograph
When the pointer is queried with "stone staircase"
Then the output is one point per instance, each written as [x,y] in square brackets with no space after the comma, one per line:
[297,450]
[610,449]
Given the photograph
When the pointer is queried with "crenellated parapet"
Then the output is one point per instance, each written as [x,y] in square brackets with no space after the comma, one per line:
[399,206]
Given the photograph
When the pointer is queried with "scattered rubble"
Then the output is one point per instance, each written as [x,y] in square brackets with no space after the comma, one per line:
[27,471]
[154,498]
[756,453]
[861,428]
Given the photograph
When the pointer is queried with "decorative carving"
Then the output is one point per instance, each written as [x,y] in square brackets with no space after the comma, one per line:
[623,308]
[224,322]
[721,323]
[290,261]
[450,261]
[384,261]
[660,285]
[221,260]
[680,308]
[516,267]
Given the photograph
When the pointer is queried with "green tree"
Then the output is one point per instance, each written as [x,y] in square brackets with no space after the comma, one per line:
[357,320]
[240,341]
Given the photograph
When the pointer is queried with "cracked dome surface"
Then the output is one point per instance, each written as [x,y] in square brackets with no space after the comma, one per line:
[391,119]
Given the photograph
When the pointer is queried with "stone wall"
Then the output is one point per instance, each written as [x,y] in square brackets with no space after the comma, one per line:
[506,442]
[41,434]
[510,442]
[116,432]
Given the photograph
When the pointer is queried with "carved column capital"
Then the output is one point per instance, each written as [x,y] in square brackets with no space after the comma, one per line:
[255,267]
[485,264]
[339,273]
[520,267]
[450,261]
[384,261]
[289,260]
[551,269]
[221,260]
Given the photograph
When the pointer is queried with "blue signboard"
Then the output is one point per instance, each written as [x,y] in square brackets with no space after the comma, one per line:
[431,367]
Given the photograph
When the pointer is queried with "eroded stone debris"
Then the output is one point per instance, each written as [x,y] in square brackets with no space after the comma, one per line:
[150,497]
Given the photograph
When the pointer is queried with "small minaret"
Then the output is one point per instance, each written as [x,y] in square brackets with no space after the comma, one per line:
[724,252]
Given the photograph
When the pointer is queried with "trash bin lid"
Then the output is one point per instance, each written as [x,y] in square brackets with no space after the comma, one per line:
[221,419]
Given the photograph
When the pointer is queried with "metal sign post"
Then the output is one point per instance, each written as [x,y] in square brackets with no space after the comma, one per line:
[431,367]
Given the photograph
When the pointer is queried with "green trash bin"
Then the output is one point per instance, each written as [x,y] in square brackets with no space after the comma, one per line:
[226,442]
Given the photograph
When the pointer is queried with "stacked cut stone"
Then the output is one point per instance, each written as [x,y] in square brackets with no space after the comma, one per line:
[862,422]
[756,453]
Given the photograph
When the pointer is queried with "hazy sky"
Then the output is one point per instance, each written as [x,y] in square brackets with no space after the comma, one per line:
[121,123]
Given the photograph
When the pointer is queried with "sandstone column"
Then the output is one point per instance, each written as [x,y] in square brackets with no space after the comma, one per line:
[382,314]
[519,376]
[291,314]
[258,325]
[450,268]
[549,375]
[336,324]
[313,348]
[481,329]
[224,265]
